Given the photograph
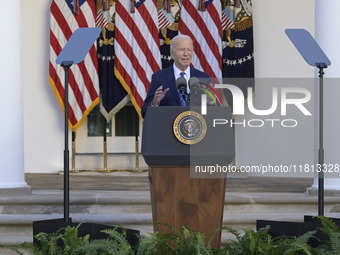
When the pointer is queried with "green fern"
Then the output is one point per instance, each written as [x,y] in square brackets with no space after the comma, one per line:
[103,247]
[189,242]
[329,225]
[71,240]
[15,248]
[118,241]
[48,243]
[249,243]
[156,244]
[262,243]
[118,238]
[72,244]
[332,230]
[299,245]
[186,242]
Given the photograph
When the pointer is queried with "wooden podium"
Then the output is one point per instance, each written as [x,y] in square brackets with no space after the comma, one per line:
[180,195]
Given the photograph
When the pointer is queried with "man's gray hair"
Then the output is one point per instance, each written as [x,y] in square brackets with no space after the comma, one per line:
[173,40]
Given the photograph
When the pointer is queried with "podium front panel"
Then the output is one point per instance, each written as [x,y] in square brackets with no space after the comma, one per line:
[160,146]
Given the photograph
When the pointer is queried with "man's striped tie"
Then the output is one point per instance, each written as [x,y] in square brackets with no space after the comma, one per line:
[180,95]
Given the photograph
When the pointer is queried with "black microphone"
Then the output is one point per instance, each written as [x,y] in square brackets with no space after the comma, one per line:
[194,84]
[181,84]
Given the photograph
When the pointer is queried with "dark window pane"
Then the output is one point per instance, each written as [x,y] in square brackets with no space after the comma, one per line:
[96,123]
[127,122]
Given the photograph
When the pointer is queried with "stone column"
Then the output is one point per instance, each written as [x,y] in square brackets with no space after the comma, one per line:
[327,34]
[12,178]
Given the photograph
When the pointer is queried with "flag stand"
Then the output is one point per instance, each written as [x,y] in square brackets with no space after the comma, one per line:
[105,148]
[137,145]
[73,154]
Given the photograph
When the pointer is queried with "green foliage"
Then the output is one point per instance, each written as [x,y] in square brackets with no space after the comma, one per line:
[13,248]
[118,242]
[72,244]
[188,242]
[156,244]
[48,244]
[261,242]
[297,245]
[332,246]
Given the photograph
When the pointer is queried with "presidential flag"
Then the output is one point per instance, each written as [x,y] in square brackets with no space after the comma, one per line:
[137,52]
[165,37]
[201,20]
[112,94]
[168,18]
[238,49]
[65,17]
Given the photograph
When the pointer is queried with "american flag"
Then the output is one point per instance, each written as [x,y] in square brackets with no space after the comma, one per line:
[101,21]
[204,27]
[136,47]
[227,20]
[83,77]
[164,19]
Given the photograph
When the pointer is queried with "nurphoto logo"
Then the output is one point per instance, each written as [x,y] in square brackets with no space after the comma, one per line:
[279,97]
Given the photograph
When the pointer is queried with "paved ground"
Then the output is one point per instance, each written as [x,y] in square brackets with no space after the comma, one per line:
[139,182]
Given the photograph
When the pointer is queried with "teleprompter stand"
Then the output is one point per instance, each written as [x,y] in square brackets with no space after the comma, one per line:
[314,56]
[74,52]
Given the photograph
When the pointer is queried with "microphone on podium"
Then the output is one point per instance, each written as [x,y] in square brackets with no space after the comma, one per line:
[181,85]
[194,85]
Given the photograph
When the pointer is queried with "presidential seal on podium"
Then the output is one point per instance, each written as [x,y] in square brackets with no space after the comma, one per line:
[189,127]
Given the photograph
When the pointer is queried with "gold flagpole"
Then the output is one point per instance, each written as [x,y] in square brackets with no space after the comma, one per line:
[137,156]
[137,145]
[105,156]
[73,156]
[105,148]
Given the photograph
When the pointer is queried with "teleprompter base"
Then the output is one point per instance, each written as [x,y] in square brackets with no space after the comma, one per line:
[282,228]
[93,229]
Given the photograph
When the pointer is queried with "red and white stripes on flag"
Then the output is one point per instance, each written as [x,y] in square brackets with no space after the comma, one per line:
[101,21]
[83,77]
[163,21]
[204,27]
[227,23]
[136,47]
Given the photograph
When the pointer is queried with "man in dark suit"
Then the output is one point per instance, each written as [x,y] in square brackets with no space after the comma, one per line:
[163,91]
